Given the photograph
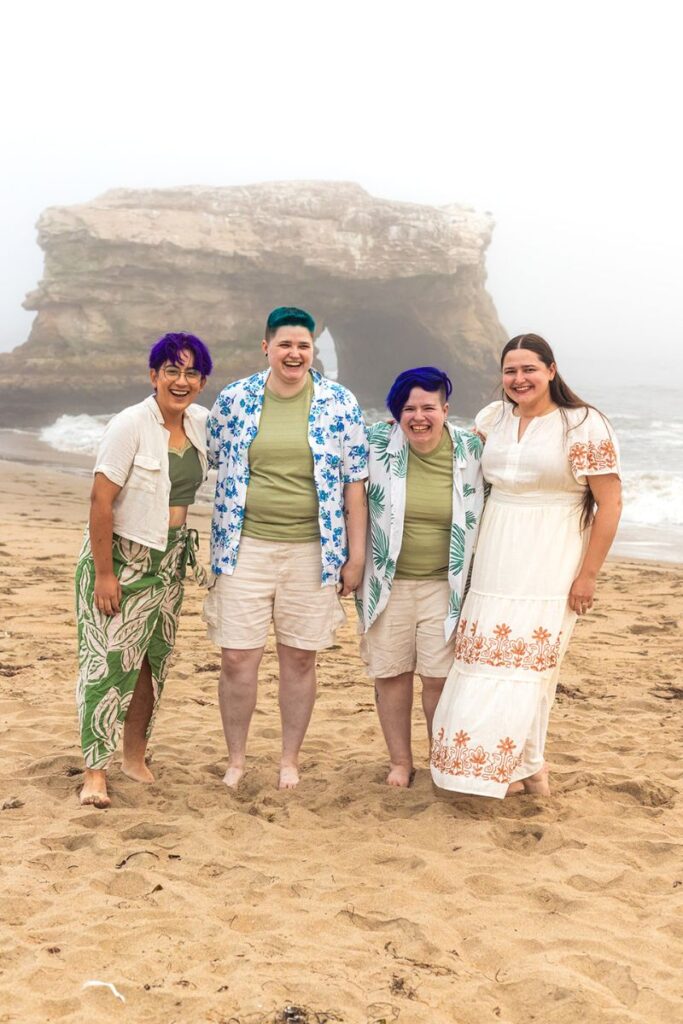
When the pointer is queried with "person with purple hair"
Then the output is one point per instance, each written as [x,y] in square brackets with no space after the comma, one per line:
[425,496]
[130,572]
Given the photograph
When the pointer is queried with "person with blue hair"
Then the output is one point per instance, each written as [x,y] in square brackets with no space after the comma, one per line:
[129,578]
[425,497]
[288,530]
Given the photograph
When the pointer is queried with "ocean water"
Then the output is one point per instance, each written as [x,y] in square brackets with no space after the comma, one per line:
[648,422]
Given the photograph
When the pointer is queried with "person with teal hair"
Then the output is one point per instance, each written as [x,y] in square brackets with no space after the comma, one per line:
[288,529]
[425,495]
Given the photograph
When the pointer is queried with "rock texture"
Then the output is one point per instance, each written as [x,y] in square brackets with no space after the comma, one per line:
[397,284]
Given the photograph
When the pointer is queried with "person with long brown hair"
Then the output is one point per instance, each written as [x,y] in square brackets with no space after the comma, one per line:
[553,464]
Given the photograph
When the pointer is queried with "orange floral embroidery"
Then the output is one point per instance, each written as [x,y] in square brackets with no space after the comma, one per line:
[457,758]
[590,457]
[499,650]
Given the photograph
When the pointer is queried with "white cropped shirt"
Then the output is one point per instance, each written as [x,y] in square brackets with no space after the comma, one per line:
[133,453]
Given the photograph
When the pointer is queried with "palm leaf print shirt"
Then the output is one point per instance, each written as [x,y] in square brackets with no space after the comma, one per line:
[388,467]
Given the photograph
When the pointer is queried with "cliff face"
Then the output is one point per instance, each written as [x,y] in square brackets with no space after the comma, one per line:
[397,284]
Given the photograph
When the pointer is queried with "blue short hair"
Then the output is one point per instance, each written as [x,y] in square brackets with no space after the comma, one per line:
[169,347]
[283,316]
[429,378]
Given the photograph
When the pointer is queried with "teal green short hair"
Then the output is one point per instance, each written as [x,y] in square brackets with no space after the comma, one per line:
[282,316]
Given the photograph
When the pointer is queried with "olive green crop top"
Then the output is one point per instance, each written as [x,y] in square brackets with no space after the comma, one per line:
[185,471]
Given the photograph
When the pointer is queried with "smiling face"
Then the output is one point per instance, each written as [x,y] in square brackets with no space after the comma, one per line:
[290,356]
[423,418]
[526,379]
[174,390]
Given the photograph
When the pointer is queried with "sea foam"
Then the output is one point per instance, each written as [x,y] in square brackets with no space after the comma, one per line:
[653,499]
[75,433]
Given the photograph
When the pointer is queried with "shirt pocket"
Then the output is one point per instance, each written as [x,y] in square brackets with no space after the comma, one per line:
[145,473]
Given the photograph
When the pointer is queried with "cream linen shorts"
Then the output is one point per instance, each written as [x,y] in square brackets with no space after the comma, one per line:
[274,582]
[408,636]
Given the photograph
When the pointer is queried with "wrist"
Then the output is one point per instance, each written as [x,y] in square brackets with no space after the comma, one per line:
[356,561]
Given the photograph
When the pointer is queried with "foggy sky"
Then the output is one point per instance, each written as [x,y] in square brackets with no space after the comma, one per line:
[560,118]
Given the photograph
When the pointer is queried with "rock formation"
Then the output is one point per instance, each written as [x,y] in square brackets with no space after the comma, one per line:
[397,284]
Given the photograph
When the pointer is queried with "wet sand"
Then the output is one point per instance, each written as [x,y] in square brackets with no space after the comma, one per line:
[345,899]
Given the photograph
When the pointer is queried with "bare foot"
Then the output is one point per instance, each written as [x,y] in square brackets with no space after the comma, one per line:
[233,775]
[138,772]
[289,776]
[401,775]
[94,792]
[515,788]
[538,784]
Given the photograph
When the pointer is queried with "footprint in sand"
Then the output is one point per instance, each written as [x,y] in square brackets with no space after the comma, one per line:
[147,830]
[71,842]
[517,836]
[649,794]
[613,976]
[128,884]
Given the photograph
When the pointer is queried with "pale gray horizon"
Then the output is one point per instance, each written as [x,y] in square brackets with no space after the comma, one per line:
[559,119]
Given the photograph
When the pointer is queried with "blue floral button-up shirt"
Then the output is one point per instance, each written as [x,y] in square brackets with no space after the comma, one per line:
[338,441]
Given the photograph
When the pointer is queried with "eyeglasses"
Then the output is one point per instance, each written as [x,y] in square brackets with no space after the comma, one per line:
[175,373]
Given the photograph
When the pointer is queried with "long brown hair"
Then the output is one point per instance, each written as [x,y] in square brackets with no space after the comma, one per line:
[561,394]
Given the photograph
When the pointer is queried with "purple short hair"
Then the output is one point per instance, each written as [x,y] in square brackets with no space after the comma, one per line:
[168,349]
[429,378]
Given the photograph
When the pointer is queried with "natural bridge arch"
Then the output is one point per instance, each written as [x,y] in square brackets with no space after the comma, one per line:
[397,284]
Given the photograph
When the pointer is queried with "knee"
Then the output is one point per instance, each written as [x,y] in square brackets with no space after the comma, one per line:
[235,662]
[297,659]
[432,684]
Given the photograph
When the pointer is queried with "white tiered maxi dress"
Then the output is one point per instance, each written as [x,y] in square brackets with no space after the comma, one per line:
[491,721]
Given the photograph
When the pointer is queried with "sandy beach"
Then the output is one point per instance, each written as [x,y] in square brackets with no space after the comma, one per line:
[343,900]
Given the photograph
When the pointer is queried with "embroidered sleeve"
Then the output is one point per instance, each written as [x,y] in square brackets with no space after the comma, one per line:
[592,448]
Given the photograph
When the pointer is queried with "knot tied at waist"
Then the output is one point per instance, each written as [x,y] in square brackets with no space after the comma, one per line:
[185,542]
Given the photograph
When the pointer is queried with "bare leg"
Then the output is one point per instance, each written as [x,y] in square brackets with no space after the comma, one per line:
[135,727]
[94,792]
[394,700]
[431,691]
[515,789]
[538,784]
[297,697]
[237,687]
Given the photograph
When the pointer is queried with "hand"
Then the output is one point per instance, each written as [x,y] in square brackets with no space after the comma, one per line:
[351,575]
[107,596]
[581,594]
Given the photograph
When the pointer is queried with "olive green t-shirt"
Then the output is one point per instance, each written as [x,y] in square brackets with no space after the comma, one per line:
[428,515]
[282,502]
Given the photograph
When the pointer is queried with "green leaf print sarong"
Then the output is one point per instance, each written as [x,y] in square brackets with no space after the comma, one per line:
[111,649]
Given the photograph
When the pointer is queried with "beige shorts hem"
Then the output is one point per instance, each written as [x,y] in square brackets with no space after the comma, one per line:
[383,672]
[240,645]
[439,671]
[304,645]
[408,634]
